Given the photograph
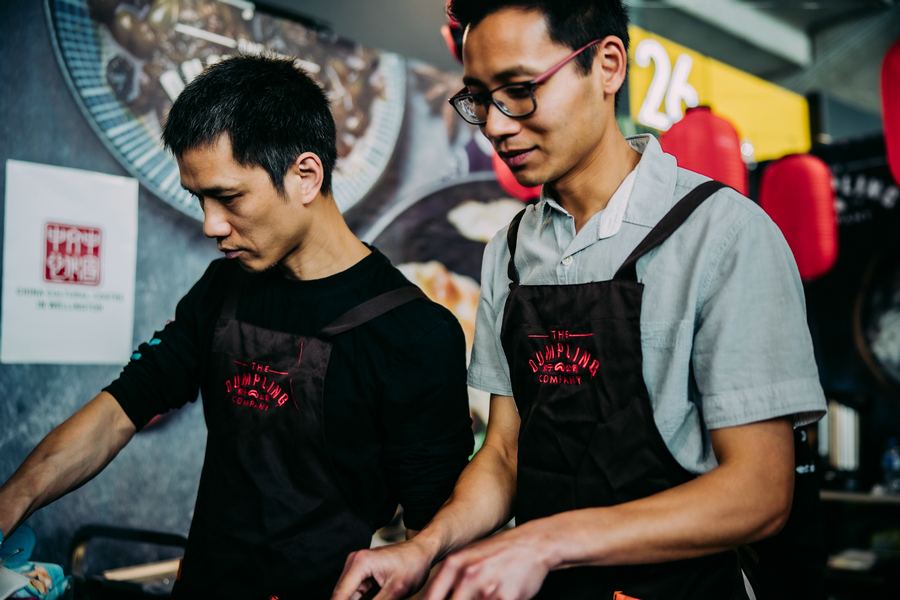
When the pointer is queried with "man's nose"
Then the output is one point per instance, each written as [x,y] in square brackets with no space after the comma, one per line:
[215,223]
[498,125]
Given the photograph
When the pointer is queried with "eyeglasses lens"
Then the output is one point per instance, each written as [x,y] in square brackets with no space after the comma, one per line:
[514,101]
[472,110]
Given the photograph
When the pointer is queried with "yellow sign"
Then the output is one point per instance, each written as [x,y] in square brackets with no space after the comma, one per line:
[665,78]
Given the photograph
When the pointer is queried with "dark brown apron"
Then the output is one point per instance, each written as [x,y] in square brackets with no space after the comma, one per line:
[587,435]
[271,517]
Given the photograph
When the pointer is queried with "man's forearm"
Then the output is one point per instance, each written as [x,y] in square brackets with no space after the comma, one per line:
[745,499]
[480,504]
[70,455]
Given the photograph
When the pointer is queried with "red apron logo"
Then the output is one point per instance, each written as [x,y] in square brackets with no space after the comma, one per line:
[560,362]
[256,388]
[72,254]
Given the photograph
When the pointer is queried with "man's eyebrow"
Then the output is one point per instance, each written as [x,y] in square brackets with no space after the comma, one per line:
[504,76]
[470,81]
[216,190]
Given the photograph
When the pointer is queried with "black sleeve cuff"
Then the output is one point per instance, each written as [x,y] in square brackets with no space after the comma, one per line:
[140,414]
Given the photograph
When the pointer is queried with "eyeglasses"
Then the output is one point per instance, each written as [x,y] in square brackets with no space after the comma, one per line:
[514,100]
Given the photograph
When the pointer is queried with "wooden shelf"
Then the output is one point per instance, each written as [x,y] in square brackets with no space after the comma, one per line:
[857,498]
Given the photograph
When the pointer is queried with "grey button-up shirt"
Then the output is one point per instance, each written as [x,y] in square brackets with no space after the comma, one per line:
[723,322]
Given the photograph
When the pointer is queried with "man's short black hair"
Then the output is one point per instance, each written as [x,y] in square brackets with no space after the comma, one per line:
[572,23]
[271,110]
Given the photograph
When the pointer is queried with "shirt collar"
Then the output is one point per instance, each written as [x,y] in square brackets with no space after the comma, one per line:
[642,198]
[654,188]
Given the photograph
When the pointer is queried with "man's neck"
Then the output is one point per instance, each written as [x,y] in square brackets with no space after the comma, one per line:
[328,248]
[588,187]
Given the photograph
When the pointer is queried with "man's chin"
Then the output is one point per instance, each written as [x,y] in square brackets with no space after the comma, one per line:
[527,175]
[528,179]
[255,267]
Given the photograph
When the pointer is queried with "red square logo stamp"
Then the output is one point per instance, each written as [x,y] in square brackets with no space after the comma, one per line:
[72,254]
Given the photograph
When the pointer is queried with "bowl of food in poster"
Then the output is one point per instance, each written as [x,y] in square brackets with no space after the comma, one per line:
[437,238]
[127,60]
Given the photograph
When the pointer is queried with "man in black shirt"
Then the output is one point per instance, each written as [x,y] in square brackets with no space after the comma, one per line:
[332,389]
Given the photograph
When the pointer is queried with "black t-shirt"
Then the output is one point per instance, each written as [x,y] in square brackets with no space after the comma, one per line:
[396,413]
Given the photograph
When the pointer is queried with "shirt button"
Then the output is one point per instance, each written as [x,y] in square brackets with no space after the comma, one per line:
[567,261]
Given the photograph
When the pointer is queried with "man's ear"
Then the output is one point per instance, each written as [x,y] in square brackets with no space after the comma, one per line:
[305,177]
[612,59]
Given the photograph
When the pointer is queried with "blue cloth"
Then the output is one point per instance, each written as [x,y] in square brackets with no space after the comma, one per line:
[58,584]
[23,538]
[722,295]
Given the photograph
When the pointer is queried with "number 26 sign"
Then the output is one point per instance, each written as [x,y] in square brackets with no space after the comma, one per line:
[665,78]
[668,88]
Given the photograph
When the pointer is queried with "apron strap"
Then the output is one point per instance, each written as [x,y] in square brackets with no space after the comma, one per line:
[667,226]
[235,289]
[370,309]
[512,236]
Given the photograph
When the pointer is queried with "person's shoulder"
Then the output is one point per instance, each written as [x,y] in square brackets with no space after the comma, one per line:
[723,210]
[728,224]
[421,315]
[728,196]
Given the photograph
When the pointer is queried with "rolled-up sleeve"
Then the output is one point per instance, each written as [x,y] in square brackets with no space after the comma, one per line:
[488,367]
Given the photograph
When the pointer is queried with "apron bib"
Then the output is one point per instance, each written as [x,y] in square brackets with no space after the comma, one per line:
[587,436]
[271,517]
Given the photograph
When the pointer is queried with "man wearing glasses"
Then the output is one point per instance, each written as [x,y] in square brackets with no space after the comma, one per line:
[646,347]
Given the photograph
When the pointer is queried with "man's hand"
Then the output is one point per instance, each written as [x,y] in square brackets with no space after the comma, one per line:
[481,503]
[509,565]
[747,497]
[399,570]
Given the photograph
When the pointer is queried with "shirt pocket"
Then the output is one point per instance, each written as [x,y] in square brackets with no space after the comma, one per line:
[665,334]
[666,348]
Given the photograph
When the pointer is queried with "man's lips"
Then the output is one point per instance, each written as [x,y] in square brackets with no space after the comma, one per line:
[229,253]
[515,158]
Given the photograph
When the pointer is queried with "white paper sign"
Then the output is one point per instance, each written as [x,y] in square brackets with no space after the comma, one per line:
[69,255]
[11,582]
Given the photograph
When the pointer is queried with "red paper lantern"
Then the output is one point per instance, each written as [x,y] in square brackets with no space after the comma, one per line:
[450,35]
[508,181]
[707,144]
[796,192]
[890,107]
[453,35]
